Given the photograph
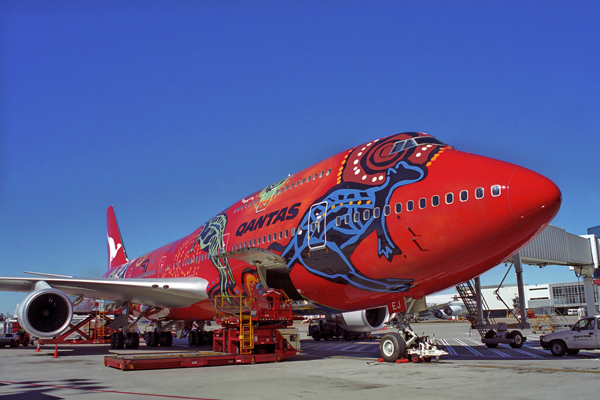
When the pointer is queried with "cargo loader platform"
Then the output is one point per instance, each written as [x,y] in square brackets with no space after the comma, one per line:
[254,329]
[130,362]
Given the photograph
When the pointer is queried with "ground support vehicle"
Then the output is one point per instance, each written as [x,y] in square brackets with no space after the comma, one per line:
[260,332]
[13,335]
[584,334]
[320,328]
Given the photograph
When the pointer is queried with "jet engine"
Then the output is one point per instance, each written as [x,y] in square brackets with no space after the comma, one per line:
[440,314]
[45,313]
[362,321]
[455,309]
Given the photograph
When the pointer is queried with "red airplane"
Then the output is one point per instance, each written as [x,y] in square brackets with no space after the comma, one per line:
[358,235]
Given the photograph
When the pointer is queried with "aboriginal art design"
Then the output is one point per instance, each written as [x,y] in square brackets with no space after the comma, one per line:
[347,214]
[211,240]
[267,194]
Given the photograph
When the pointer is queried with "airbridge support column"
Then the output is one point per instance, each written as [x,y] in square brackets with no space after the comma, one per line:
[586,274]
[521,288]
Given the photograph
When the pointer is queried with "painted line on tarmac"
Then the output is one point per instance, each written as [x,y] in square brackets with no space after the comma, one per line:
[534,369]
[497,352]
[466,346]
[449,348]
[528,353]
[102,390]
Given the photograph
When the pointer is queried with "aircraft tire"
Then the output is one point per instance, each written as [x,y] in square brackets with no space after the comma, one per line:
[133,340]
[119,340]
[392,347]
[166,339]
[192,338]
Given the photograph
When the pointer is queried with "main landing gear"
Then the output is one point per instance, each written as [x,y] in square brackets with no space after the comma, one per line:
[198,336]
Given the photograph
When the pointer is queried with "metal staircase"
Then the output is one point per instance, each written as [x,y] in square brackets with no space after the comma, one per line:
[246,334]
[100,320]
[468,295]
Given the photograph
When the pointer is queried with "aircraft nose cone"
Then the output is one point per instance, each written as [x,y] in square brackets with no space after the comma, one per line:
[534,199]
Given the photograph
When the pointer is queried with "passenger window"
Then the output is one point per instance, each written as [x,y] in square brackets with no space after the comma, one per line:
[376,212]
[338,221]
[259,241]
[398,208]
[449,198]
[496,190]
[347,219]
[328,171]
[356,216]
[464,195]
[315,177]
[479,193]
[422,203]
[308,179]
[254,242]
[303,179]
[322,173]
[435,201]
[387,210]
[410,205]
[264,239]
[280,235]
[269,238]
[286,233]
[366,214]
[293,232]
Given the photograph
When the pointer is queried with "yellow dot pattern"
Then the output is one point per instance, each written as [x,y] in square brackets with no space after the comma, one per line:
[436,156]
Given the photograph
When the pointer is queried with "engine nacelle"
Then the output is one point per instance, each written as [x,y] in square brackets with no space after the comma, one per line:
[455,309]
[45,313]
[440,314]
[363,321]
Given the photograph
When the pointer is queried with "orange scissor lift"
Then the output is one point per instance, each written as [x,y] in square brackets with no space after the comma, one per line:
[254,329]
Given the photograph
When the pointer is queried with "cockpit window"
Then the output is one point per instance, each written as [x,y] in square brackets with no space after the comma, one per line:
[414,142]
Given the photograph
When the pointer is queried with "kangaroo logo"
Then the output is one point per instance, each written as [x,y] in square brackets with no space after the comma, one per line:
[112,248]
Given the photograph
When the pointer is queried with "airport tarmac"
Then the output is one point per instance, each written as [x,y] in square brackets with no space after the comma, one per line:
[326,369]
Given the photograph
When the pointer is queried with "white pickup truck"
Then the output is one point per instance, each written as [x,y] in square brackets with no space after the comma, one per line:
[585,334]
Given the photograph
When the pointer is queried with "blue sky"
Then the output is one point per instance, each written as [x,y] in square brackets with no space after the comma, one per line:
[171,111]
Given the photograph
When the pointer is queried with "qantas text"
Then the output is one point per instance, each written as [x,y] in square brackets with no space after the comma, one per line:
[270,218]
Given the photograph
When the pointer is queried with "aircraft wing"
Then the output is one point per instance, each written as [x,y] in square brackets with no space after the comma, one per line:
[165,292]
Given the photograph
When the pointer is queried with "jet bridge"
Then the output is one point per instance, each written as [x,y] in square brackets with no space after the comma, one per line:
[553,246]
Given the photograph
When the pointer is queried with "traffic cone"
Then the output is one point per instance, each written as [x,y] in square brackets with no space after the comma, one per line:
[38,347]
[55,351]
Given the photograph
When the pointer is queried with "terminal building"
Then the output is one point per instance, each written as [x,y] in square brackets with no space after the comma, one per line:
[546,298]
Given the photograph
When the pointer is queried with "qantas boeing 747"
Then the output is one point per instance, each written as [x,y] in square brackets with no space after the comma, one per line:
[357,235]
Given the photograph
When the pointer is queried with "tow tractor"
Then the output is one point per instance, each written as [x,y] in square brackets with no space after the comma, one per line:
[12,334]
[254,329]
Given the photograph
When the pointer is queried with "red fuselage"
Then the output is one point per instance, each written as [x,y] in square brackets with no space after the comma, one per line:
[366,226]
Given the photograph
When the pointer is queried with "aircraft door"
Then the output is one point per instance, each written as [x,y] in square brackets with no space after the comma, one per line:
[317,226]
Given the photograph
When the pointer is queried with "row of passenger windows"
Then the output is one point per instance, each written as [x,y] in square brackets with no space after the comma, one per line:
[266,239]
[422,203]
[288,187]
